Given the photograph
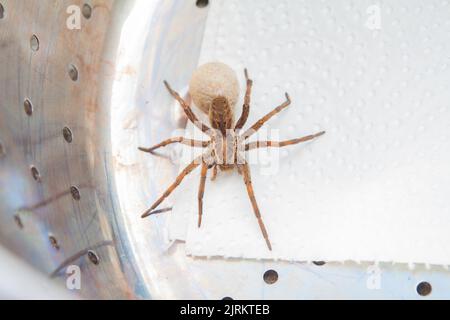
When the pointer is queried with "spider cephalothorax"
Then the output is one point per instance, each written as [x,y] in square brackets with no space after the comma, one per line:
[226,146]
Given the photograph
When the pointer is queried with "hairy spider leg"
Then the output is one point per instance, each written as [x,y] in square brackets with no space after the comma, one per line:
[266,118]
[194,164]
[279,144]
[248,183]
[182,140]
[187,109]
[246,107]
[201,191]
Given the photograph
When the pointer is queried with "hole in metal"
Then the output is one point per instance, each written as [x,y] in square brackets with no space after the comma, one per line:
[202,3]
[2,150]
[2,11]
[87,11]
[73,72]
[35,174]
[93,257]
[75,193]
[53,242]
[270,276]
[34,43]
[18,221]
[28,106]
[227,298]
[424,288]
[67,133]
[319,263]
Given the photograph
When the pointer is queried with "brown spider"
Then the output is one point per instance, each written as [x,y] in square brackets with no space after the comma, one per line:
[225,149]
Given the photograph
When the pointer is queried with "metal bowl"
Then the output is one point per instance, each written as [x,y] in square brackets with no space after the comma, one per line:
[80,90]
[81,85]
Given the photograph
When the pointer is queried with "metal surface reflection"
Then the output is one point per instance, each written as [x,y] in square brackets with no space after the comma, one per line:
[87,181]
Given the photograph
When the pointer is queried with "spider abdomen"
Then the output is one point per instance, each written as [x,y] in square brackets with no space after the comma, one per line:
[221,115]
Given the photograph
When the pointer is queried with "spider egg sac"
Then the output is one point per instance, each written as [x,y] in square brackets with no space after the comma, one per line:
[212,80]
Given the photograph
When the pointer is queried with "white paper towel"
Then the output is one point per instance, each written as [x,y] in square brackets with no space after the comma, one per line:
[375,75]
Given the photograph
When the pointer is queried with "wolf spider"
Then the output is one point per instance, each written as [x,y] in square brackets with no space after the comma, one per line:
[225,148]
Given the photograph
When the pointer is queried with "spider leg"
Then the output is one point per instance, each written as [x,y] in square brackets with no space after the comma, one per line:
[201,191]
[162,210]
[194,164]
[187,109]
[248,183]
[246,107]
[266,118]
[182,140]
[214,175]
[279,144]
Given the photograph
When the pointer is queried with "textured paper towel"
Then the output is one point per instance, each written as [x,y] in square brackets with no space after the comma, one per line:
[377,185]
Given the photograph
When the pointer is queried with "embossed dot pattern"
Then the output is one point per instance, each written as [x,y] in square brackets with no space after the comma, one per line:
[376,186]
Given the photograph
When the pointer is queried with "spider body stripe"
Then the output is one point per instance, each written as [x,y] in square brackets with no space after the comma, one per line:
[225,149]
